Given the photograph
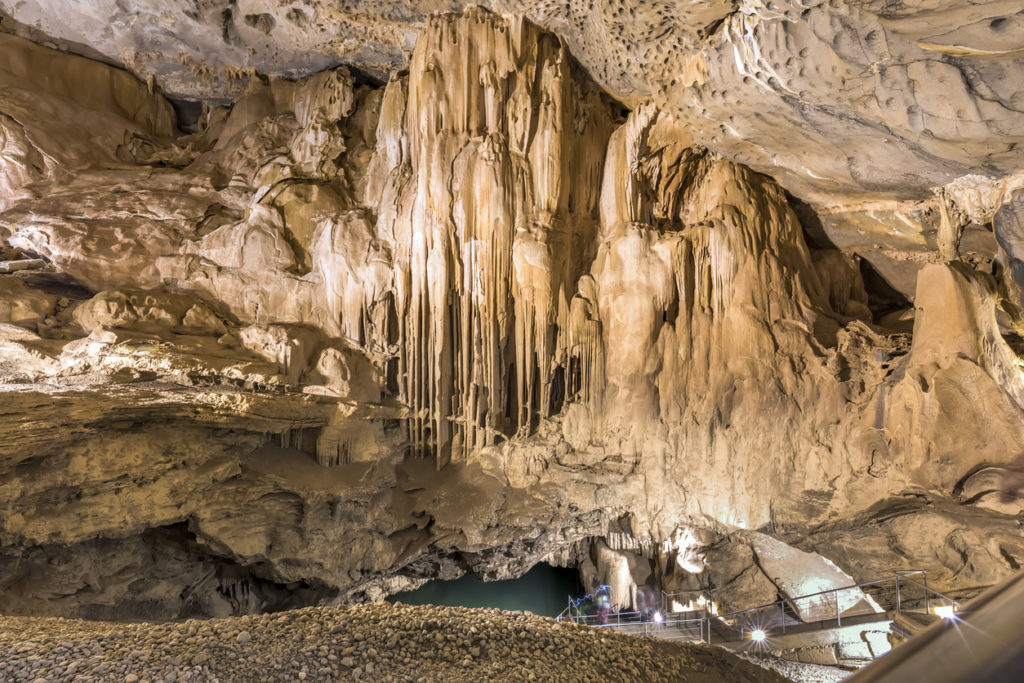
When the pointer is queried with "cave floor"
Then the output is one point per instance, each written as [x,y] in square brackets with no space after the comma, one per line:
[377,642]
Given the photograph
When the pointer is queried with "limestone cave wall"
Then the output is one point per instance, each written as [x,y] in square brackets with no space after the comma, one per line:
[350,335]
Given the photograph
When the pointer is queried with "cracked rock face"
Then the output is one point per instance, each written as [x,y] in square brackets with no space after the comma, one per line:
[349,336]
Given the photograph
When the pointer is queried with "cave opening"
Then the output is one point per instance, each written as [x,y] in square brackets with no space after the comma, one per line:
[544,590]
[883,298]
[189,114]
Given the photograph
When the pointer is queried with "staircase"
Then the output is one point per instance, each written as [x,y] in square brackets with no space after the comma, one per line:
[903,599]
[907,624]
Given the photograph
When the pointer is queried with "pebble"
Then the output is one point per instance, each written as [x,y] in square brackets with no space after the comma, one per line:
[372,642]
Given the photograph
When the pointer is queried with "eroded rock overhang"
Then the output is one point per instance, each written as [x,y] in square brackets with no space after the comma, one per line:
[347,337]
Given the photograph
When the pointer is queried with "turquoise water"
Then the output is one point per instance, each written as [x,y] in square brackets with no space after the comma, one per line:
[543,590]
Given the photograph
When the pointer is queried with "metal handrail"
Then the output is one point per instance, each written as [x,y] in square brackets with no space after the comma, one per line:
[695,591]
[802,597]
[896,575]
[935,592]
[630,620]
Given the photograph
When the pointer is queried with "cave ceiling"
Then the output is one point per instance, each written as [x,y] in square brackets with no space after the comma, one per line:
[312,301]
[837,100]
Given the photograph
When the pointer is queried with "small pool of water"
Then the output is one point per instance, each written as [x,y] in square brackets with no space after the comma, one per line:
[543,590]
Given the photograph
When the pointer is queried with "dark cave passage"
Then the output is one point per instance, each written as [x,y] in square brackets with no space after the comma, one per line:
[543,590]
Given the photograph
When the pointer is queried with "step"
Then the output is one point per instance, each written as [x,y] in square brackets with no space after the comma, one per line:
[907,624]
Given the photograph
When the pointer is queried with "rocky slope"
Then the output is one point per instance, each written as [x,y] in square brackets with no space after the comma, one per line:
[372,642]
[346,337]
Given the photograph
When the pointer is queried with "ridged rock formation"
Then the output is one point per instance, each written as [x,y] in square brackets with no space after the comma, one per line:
[346,337]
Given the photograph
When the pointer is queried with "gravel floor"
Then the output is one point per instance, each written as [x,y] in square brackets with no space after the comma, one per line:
[379,642]
[799,672]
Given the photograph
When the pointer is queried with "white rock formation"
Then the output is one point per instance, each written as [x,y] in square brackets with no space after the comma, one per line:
[344,338]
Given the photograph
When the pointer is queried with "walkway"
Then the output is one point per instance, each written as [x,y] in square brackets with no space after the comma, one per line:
[904,598]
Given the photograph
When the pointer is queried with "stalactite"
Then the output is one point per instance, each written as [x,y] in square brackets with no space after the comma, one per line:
[585,347]
[644,547]
[291,438]
[488,229]
[499,248]
[243,597]
[333,452]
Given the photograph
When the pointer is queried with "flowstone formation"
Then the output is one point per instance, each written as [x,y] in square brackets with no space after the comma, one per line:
[346,337]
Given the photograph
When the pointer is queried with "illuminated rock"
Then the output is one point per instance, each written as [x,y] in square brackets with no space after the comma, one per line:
[345,338]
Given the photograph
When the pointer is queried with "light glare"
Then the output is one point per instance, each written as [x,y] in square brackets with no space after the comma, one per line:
[758,635]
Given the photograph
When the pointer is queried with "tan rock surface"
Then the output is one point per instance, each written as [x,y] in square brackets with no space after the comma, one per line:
[346,338]
[835,99]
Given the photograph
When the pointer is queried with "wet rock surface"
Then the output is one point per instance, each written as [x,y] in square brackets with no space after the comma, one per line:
[378,642]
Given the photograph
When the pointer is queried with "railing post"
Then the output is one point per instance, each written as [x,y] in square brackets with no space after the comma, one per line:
[835,594]
[899,603]
[782,613]
[927,601]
